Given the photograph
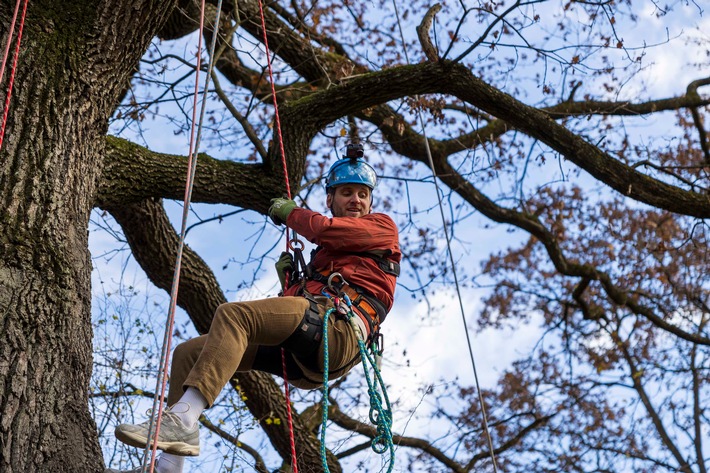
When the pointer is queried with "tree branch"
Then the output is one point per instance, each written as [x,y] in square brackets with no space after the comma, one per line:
[423,33]
[133,173]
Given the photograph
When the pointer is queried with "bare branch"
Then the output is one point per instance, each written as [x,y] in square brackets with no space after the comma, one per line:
[259,464]
[692,91]
[423,33]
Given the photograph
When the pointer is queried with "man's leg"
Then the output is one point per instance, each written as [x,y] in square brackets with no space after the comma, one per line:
[237,329]
[237,326]
[184,357]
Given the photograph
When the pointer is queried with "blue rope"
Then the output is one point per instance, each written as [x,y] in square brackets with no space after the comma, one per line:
[380,416]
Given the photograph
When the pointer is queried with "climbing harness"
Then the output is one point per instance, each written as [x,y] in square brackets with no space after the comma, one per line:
[370,310]
[195,135]
[11,32]
[380,415]
[486,429]
[303,343]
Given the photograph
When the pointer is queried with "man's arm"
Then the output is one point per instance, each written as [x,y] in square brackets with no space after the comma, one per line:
[345,234]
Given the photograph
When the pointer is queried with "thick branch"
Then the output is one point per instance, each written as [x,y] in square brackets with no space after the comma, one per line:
[376,88]
[423,33]
[310,62]
[133,173]
[602,166]
[692,91]
[182,20]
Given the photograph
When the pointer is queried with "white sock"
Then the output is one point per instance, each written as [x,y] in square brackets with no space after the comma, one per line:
[190,406]
[168,463]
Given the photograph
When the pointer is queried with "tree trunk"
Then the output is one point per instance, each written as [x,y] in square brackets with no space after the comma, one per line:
[73,64]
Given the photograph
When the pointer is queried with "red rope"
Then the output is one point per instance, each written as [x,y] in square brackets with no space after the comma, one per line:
[294,461]
[14,63]
[276,105]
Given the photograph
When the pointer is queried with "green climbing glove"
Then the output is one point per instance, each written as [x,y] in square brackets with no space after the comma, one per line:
[284,268]
[279,210]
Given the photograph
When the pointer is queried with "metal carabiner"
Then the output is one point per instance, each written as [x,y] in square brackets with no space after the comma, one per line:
[300,268]
[330,282]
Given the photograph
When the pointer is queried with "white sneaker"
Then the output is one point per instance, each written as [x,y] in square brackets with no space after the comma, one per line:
[174,437]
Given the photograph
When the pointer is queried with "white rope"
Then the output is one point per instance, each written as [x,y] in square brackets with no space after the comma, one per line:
[451,256]
[161,382]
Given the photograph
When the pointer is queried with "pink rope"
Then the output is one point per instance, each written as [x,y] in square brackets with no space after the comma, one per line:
[192,161]
[9,39]
[14,66]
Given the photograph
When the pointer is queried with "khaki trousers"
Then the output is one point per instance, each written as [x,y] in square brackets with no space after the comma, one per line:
[242,332]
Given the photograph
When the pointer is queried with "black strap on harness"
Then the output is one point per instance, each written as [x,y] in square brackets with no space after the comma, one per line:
[305,340]
[386,265]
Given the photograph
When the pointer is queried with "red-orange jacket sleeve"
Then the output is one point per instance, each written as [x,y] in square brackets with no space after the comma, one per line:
[345,234]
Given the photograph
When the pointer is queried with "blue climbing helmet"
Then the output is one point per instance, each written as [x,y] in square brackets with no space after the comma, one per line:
[352,169]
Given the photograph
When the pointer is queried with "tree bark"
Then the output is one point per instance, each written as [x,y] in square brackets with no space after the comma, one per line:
[75,60]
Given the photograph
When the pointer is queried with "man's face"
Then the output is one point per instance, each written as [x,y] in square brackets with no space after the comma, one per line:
[350,200]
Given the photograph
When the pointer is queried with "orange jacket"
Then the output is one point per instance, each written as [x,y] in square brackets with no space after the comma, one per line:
[340,237]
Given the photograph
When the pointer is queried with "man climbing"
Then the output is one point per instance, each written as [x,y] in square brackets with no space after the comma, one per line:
[357,255]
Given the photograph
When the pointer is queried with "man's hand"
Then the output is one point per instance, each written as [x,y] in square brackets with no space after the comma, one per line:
[284,267]
[279,210]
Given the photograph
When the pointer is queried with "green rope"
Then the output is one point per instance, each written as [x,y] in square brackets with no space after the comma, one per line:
[324,419]
[380,416]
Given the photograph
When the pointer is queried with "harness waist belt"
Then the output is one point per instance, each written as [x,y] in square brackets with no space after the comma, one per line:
[369,309]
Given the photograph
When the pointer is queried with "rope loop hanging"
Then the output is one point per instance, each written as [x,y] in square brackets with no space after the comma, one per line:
[380,413]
